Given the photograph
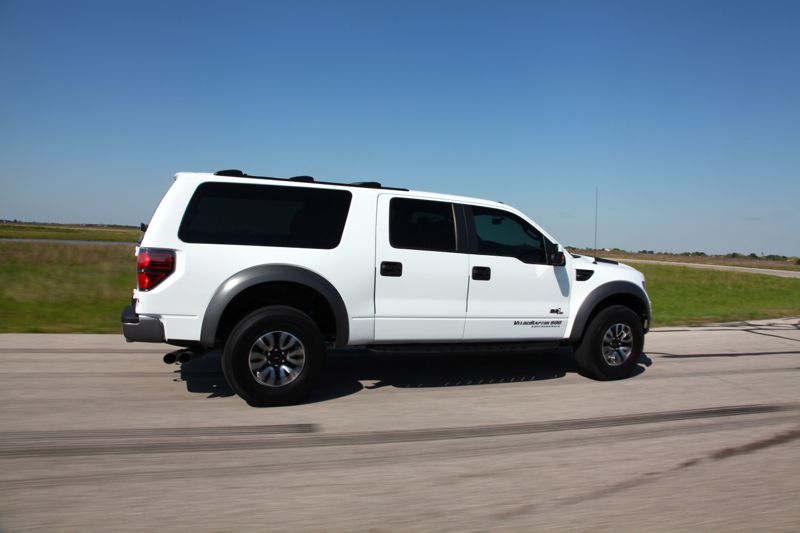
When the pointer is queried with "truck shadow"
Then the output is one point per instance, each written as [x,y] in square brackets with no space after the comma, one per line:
[350,371]
[203,375]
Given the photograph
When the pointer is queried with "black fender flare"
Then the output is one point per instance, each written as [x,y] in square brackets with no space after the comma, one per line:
[257,275]
[594,298]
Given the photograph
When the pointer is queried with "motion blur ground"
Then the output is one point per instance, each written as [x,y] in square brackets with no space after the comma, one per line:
[99,434]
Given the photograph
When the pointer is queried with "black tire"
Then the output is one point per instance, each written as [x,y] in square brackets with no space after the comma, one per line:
[273,338]
[620,329]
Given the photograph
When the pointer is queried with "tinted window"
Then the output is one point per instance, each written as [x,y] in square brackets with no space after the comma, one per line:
[422,225]
[265,215]
[502,233]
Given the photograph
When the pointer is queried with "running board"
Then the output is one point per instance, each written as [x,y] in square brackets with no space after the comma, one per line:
[466,347]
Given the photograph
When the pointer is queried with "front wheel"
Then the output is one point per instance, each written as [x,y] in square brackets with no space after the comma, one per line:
[611,345]
[273,356]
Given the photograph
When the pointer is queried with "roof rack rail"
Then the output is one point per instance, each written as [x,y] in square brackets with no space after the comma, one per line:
[232,173]
[235,173]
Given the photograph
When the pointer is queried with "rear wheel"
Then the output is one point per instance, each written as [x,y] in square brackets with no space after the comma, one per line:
[611,344]
[273,356]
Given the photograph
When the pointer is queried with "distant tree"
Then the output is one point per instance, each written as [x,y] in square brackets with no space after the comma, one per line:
[753,256]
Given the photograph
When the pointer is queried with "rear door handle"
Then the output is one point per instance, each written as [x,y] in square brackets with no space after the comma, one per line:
[481,273]
[391,269]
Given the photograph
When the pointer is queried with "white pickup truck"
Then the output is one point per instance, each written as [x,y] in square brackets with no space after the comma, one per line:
[275,270]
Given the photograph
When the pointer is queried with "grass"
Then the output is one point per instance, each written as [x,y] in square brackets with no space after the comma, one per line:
[73,233]
[684,295]
[82,288]
[64,288]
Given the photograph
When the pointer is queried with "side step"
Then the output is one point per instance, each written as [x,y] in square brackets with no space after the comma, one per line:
[466,347]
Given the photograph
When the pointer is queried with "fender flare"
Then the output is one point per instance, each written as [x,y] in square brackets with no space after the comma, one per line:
[257,275]
[599,294]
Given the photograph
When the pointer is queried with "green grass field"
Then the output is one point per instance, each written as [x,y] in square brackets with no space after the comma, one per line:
[683,295]
[69,233]
[82,288]
[64,288]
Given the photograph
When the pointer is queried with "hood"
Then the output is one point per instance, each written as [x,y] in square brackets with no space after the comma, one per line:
[595,263]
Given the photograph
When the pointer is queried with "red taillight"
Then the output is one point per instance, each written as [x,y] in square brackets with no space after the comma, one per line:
[153,267]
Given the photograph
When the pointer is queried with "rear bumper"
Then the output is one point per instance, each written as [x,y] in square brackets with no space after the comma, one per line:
[140,328]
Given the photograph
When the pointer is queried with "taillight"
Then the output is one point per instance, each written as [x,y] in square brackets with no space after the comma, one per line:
[154,266]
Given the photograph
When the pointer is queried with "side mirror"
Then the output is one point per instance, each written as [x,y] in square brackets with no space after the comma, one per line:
[558,259]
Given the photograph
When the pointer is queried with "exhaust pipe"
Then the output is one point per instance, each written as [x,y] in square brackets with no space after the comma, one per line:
[185,356]
[181,356]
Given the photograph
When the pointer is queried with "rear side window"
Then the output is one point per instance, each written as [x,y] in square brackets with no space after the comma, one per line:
[422,225]
[265,215]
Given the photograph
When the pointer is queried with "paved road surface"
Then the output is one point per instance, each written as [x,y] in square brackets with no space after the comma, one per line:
[99,435]
[749,270]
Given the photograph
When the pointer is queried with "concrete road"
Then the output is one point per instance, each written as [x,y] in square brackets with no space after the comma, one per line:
[99,435]
[747,270]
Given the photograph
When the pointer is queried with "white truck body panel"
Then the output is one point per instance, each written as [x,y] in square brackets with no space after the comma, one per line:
[434,300]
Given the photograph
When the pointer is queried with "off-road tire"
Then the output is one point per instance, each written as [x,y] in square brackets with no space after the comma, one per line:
[246,351]
[618,326]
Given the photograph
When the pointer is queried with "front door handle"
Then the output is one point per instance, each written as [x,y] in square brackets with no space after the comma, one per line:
[481,273]
[391,269]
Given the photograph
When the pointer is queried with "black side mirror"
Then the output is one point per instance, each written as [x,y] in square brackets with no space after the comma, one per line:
[558,259]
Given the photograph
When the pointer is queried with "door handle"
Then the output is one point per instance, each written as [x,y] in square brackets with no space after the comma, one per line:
[391,269]
[481,273]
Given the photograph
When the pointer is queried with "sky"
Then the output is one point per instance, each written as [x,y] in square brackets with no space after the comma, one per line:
[684,115]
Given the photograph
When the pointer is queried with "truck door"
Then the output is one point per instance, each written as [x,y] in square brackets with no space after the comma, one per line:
[421,275]
[513,292]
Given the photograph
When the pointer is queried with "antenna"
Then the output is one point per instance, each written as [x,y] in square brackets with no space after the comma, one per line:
[596,194]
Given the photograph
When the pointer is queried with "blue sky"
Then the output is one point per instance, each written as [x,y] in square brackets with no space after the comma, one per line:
[685,114]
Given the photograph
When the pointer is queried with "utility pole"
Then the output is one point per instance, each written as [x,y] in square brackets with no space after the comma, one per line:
[596,195]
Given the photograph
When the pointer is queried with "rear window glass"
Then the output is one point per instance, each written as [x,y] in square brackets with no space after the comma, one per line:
[422,225]
[265,215]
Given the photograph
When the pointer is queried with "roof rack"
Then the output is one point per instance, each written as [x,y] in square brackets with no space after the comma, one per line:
[235,173]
